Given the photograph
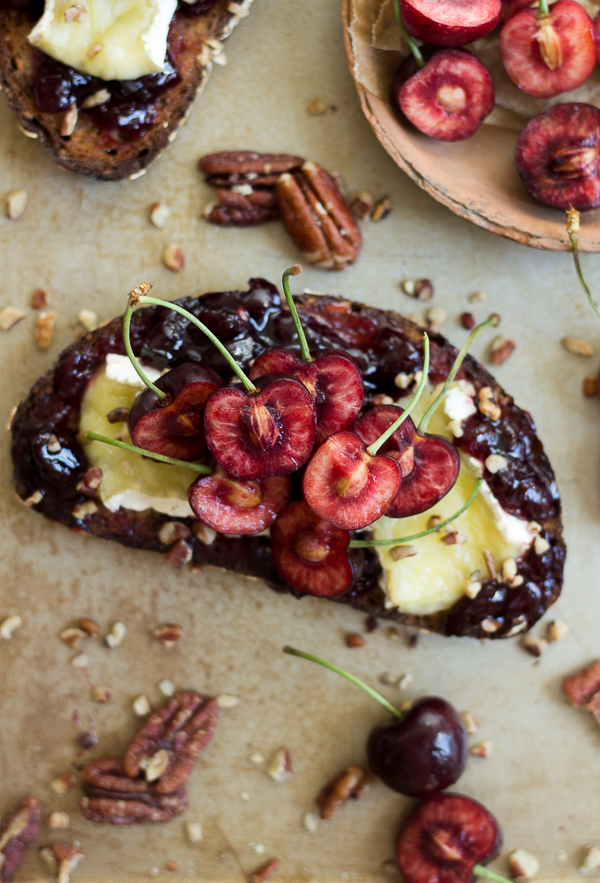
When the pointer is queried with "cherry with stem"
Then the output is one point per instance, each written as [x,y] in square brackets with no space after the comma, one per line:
[253,430]
[346,483]
[87,437]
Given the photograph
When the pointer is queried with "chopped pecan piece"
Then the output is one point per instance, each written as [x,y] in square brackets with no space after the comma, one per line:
[183,728]
[62,859]
[113,797]
[228,168]
[236,209]
[264,872]
[351,782]
[318,218]
[583,689]
[17,833]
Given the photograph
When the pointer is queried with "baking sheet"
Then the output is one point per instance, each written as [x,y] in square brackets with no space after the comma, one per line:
[89,243]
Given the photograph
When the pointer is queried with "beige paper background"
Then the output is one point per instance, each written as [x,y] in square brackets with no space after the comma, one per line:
[89,243]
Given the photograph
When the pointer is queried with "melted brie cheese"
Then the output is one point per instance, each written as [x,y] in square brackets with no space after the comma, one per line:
[435,577]
[128,480]
[110,39]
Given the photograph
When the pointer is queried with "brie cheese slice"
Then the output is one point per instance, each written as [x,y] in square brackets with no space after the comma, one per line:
[110,39]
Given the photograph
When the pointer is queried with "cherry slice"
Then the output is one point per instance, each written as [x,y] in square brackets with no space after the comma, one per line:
[449,98]
[558,156]
[450,22]
[175,428]
[256,435]
[444,838]
[429,463]
[545,55]
[333,380]
[229,505]
[347,486]
[310,554]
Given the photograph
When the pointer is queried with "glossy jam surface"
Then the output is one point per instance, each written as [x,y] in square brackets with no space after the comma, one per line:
[248,323]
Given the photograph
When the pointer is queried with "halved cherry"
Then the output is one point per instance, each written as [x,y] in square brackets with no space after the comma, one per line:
[310,554]
[450,22]
[558,156]
[509,7]
[229,505]
[333,379]
[174,425]
[445,839]
[548,50]
[597,36]
[256,435]
[429,463]
[449,97]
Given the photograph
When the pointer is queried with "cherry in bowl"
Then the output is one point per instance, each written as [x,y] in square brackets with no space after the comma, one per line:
[450,22]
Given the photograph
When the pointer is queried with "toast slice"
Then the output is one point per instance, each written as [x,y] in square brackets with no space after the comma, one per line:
[88,150]
[385,345]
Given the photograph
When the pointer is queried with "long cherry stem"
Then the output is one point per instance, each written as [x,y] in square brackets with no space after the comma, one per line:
[411,43]
[573,231]
[372,449]
[143,288]
[543,10]
[136,298]
[352,678]
[492,322]
[481,871]
[304,350]
[365,544]
[85,437]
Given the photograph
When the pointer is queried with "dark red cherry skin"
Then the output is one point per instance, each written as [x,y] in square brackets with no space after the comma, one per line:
[597,36]
[509,7]
[449,97]
[565,40]
[558,156]
[254,436]
[444,837]
[449,22]
[333,379]
[231,506]
[310,554]
[175,428]
[429,463]
[347,486]
[424,752]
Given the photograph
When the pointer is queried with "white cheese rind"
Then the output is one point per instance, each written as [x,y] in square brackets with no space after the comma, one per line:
[138,501]
[120,369]
[109,39]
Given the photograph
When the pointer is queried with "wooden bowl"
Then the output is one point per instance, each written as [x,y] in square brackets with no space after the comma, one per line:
[477,178]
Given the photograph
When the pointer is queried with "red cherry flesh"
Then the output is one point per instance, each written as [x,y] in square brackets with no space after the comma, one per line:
[558,156]
[547,55]
[444,838]
[174,428]
[429,463]
[229,505]
[333,380]
[449,98]
[347,486]
[256,435]
[424,752]
[310,554]
[449,22]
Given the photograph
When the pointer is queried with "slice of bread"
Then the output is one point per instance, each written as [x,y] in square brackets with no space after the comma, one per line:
[88,150]
[384,345]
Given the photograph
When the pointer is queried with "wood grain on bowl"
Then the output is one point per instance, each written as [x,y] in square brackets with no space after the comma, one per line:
[477,179]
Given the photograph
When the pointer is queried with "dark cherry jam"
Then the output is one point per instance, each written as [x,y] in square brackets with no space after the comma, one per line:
[248,323]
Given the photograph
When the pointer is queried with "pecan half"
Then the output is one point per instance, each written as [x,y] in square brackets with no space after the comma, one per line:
[182,728]
[351,782]
[113,797]
[62,859]
[318,218]
[228,168]
[18,832]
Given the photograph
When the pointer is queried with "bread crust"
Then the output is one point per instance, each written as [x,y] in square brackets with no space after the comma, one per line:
[88,151]
[52,407]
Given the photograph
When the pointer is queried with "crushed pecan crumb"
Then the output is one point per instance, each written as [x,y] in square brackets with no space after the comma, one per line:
[159,214]
[193,832]
[44,329]
[168,633]
[420,289]
[279,767]
[590,387]
[88,318]
[101,695]
[16,203]
[9,626]
[467,320]
[362,205]
[523,865]
[316,107]
[172,531]
[62,859]
[63,784]
[556,631]
[59,819]
[179,554]
[117,632]
[487,404]
[264,872]
[141,706]
[226,700]
[381,210]
[577,346]
[350,782]
[40,299]
[173,258]
[482,749]
[470,722]
[500,350]
[355,640]
[535,646]
[9,316]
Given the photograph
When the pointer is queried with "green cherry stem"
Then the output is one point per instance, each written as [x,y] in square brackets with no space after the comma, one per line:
[86,437]
[481,871]
[491,322]
[573,231]
[345,674]
[372,449]
[411,43]
[365,544]
[543,11]
[304,350]
[161,396]
[138,297]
